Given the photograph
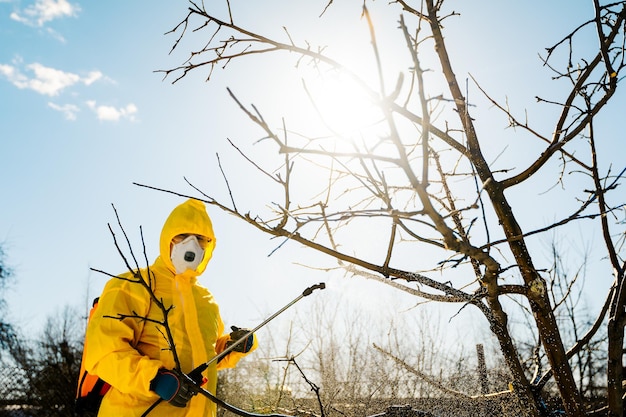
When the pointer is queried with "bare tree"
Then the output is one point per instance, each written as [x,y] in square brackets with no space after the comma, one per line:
[565,284]
[46,369]
[398,184]
[330,367]
[7,331]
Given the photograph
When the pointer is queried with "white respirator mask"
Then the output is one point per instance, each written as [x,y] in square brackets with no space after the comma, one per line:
[187,254]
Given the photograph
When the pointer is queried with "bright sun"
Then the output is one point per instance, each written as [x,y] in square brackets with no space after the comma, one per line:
[342,105]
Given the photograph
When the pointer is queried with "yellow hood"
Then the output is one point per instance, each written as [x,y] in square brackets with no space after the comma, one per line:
[189,217]
[127,352]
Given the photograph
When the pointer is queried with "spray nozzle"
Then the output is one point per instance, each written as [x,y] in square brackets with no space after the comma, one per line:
[312,288]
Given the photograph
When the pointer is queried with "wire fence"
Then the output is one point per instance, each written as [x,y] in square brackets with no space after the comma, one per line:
[50,392]
[41,395]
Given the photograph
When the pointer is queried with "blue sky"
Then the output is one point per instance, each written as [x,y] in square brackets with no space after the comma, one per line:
[84,115]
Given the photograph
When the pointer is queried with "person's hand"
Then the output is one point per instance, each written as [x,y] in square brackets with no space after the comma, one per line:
[237,334]
[173,386]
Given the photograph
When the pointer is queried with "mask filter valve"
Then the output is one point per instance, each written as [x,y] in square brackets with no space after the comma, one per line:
[187,254]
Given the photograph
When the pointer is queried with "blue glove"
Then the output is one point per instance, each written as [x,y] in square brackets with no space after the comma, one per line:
[237,334]
[173,386]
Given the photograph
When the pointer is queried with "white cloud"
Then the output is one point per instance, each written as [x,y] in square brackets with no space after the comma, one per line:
[110,113]
[56,35]
[8,71]
[92,77]
[15,16]
[69,110]
[45,11]
[50,81]
[46,80]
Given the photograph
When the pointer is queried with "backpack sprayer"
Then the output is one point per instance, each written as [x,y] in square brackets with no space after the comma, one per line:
[195,374]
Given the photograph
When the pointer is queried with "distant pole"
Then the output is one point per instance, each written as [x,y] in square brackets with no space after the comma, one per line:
[482,370]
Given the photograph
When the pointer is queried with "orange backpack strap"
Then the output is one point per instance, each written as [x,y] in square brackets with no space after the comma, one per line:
[91,388]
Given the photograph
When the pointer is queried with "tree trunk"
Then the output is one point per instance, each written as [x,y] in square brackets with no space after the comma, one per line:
[537,295]
[521,386]
[615,332]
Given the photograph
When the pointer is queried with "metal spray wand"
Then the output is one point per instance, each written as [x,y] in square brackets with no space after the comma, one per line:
[196,372]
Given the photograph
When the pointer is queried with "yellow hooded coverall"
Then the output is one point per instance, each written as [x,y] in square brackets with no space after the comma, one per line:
[128,352]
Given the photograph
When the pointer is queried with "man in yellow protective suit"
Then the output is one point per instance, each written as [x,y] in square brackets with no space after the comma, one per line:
[129,349]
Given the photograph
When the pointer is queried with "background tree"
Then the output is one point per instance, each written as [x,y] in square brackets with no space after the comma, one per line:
[420,189]
[45,370]
[7,331]
[329,366]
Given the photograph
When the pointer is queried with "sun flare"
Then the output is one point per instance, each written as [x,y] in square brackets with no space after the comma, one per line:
[342,106]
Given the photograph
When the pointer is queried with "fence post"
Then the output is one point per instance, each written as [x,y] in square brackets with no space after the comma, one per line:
[482,369]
